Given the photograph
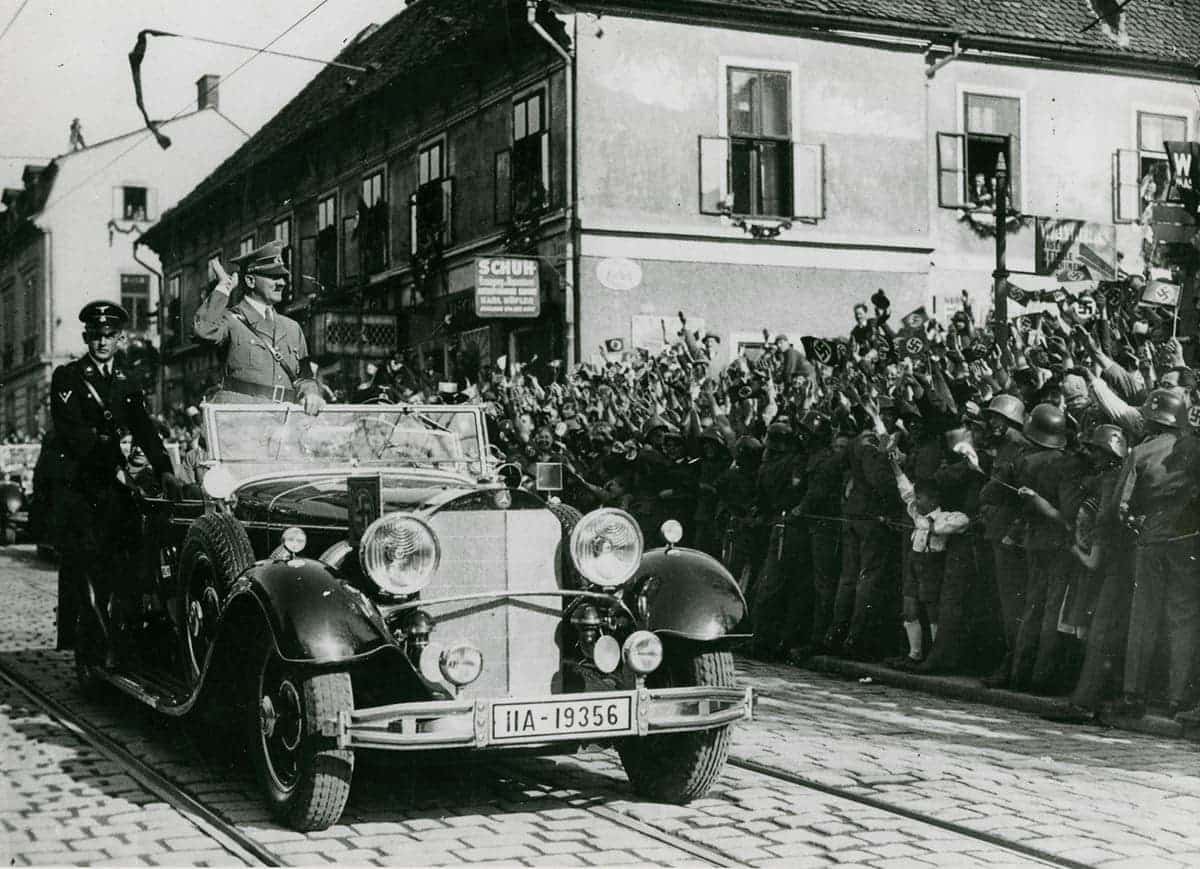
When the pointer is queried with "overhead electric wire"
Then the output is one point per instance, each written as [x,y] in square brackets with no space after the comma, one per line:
[225,78]
[13,20]
[336,63]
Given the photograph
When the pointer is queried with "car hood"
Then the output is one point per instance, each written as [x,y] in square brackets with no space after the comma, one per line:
[318,499]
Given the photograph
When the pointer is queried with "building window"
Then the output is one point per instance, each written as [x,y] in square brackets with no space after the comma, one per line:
[431,163]
[135,203]
[430,208]
[760,124]
[967,160]
[372,225]
[246,245]
[283,231]
[530,164]
[172,323]
[1153,173]
[135,298]
[327,244]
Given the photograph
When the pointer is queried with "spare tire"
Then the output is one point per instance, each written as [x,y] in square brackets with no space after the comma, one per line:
[215,552]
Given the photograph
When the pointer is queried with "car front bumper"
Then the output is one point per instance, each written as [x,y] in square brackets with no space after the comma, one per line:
[473,723]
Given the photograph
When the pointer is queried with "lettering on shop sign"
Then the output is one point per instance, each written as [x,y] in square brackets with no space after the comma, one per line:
[507,286]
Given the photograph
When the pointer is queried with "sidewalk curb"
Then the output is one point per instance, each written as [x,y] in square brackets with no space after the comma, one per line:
[970,690]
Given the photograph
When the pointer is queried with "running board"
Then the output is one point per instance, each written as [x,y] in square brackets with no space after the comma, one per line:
[150,690]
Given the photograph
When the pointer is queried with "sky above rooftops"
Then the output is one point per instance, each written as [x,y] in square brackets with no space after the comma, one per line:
[63,60]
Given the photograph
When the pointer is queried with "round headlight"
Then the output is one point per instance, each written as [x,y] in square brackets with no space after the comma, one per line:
[643,652]
[219,483]
[400,553]
[461,664]
[13,503]
[606,547]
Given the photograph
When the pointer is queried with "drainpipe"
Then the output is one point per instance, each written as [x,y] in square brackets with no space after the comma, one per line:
[955,52]
[568,57]
[157,320]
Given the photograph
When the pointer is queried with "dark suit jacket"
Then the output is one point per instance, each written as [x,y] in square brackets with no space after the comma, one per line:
[88,411]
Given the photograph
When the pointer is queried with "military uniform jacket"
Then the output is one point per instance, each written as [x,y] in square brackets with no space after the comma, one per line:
[246,340]
[1157,481]
[88,410]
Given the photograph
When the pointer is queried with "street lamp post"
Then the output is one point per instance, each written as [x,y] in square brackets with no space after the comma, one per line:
[1000,275]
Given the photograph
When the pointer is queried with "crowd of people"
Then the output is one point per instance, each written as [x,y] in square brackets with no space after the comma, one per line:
[947,499]
[1018,503]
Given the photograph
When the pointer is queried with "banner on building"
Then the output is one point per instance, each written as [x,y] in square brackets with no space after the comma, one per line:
[507,286]
[1183,165]
[1075,250]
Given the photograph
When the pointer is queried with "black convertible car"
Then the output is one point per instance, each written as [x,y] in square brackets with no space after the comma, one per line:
[362,579]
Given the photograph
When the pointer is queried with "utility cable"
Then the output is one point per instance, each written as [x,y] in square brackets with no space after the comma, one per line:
[13,20]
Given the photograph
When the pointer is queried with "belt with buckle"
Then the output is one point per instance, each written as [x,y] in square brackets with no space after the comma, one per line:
[277,393]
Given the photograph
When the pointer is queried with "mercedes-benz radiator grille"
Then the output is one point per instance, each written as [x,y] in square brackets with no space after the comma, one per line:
[497,551]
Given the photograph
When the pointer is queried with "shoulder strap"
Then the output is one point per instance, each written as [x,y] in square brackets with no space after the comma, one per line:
[267,342]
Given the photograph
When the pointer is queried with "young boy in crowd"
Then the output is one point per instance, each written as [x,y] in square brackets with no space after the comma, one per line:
[923,583]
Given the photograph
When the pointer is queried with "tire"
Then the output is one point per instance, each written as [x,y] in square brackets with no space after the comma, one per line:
[10,535]
[681,767]
[306,785]
[215,552]
[568,517]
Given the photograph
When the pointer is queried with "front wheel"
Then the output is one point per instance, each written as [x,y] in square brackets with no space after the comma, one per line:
[289,716]
[681,767]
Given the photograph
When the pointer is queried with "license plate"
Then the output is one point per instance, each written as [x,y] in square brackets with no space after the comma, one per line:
[606,716]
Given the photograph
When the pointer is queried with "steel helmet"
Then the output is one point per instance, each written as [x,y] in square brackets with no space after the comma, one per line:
[1164,407]
[1046,427]
[655,422]
[1111,439]
[1009,407]
[778,432]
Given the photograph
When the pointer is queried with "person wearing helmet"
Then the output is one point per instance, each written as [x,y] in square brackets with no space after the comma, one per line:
[1154,497]
[1101,587]
[1039,475]
[1000,508]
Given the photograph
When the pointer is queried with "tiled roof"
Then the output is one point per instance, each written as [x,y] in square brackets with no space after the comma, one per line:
[405,49]
[1164,29]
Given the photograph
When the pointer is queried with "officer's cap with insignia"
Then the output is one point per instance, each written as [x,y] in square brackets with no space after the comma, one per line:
[266,261]
[103,317]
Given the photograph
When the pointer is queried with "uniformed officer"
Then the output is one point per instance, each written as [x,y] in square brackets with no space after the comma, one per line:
[265,354]
[1153,497]
[92,399]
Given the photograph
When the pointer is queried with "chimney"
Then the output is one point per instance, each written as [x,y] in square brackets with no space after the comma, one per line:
[206,91]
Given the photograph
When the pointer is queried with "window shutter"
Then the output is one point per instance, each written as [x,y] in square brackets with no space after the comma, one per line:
[1127,197]
[118,203]
[952,172]
[151,203]
[714,174]
[502,176]
[548,201]
[413,228]
[808,181]
[447,211]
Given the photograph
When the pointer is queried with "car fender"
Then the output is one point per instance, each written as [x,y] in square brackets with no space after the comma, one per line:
[685,593]
[315,617]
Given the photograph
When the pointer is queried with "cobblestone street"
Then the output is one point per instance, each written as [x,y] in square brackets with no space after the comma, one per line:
[1084,795]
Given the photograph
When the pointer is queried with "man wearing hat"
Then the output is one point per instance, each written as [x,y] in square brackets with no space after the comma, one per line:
[91,399]
[265,354]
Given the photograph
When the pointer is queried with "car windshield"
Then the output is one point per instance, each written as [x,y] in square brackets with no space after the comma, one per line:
[256,439]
